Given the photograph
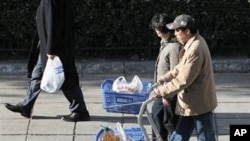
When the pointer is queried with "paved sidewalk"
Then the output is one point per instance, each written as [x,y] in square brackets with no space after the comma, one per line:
[233,92]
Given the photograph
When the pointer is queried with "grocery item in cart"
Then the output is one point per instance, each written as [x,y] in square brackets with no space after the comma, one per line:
[108,134]
[121,85]
[132,134]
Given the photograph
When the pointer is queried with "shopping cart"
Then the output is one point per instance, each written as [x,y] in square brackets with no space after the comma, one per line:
[130,104]
[135,104]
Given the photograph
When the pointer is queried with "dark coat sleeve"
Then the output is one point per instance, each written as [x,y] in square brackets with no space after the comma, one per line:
[55,26]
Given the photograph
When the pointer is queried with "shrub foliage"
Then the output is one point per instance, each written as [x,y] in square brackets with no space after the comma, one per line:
[124,24]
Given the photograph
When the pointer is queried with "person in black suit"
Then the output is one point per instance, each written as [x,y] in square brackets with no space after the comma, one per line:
[54,37]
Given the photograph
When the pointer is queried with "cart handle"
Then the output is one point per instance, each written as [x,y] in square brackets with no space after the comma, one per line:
[145,110]
[149,100]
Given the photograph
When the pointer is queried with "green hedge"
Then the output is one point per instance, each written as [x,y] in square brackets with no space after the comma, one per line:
[124,24]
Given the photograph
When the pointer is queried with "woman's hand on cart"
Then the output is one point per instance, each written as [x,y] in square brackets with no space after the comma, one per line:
[155,93]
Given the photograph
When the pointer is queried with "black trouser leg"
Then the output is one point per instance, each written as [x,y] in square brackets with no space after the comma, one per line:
[158,114]
[76,100]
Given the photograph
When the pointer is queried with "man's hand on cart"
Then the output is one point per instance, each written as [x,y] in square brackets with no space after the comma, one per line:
[161,79]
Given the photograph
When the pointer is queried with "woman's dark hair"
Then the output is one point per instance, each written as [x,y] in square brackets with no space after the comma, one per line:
[159,22]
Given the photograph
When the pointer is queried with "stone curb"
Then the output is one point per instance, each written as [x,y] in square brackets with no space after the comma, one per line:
[240,65]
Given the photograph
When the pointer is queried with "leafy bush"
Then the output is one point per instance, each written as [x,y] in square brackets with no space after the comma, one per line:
[117,25]
[17,23]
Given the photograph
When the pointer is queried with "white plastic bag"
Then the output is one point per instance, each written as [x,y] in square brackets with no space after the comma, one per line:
[121,132]
[137,84]
[120,85]
[53,76]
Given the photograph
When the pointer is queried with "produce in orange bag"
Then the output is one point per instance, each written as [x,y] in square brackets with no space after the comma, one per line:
[108,135]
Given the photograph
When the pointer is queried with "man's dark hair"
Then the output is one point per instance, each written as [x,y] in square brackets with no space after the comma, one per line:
[193,29]
[159,22]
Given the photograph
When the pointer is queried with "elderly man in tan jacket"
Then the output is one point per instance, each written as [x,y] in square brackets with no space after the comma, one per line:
[193,82]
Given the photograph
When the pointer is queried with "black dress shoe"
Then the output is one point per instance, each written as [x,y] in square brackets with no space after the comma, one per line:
[74,117]
[19,109]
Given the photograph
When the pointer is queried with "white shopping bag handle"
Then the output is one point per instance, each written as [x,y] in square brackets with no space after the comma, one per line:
[121,131]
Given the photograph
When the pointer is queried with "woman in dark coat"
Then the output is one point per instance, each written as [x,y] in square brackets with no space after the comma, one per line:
[54,37]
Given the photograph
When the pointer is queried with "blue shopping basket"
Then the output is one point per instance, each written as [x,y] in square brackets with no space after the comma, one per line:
[122,102]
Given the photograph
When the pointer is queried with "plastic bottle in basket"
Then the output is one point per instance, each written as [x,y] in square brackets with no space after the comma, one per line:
[108,135]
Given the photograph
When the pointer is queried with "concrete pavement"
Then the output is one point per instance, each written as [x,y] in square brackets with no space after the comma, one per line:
[233,92]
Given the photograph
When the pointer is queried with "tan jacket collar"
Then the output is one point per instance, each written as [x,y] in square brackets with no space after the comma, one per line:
[190,41]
